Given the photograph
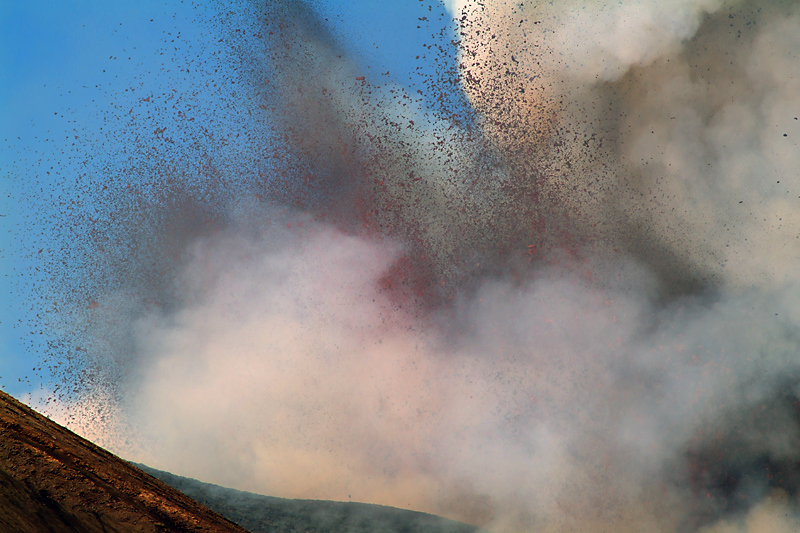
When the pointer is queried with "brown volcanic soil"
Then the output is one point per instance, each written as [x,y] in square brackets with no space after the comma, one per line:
[52,480]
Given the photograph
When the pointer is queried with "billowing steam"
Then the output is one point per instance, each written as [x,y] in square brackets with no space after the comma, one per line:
[576,309]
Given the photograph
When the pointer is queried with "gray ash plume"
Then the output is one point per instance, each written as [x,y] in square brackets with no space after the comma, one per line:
[564,300]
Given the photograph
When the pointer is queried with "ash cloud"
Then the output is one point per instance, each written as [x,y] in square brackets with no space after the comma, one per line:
[680,143]
[576,310]
[548,407]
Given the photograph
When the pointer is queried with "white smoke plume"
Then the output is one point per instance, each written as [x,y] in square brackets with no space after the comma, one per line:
[548,407]
[595,41]
[699,122]
[578,314]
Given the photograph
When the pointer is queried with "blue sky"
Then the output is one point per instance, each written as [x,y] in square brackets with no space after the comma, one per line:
[64,70]
[57,64]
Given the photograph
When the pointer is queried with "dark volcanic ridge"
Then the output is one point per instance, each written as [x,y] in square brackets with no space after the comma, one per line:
[277,515]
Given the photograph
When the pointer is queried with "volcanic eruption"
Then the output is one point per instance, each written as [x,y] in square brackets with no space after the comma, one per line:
[556,292]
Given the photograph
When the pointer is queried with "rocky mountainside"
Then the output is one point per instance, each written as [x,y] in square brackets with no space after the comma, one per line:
[52,480]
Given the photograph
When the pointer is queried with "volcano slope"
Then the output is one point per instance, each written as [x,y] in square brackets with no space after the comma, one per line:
[52,480]
[266,514]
